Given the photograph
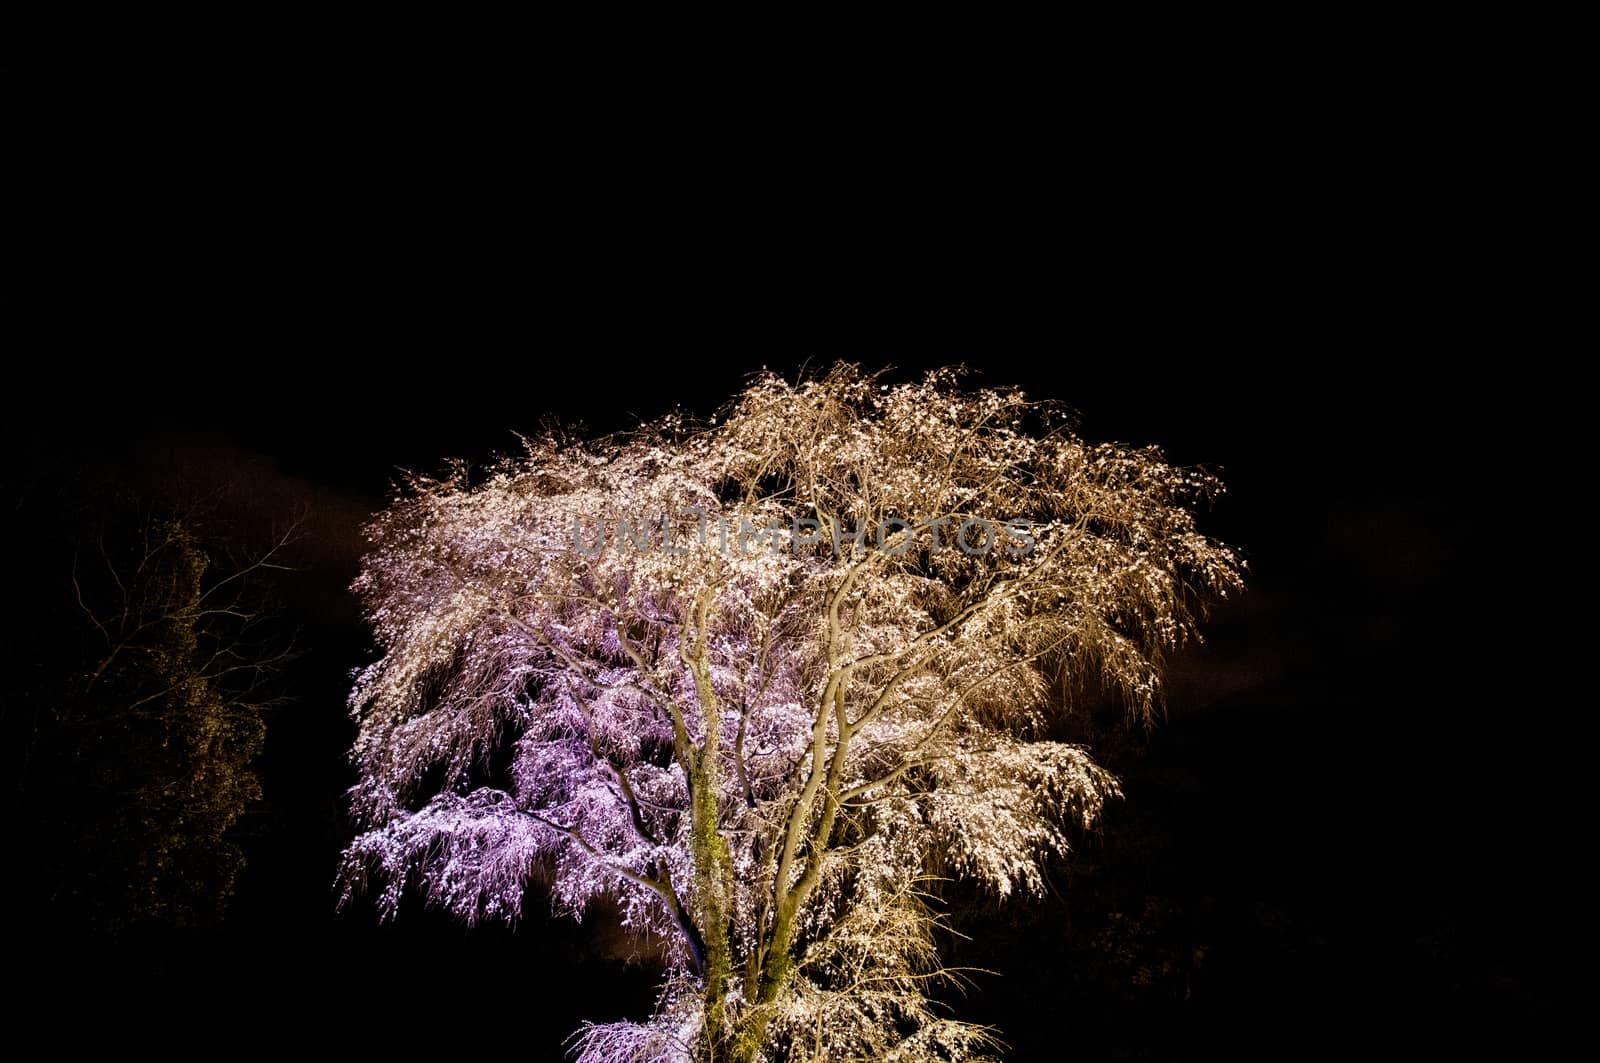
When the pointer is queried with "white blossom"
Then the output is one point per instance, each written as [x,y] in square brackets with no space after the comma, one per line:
[762,753]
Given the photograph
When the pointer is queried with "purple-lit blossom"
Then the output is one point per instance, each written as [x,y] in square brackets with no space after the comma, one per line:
[761,755]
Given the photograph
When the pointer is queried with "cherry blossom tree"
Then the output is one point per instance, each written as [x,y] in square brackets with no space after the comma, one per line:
[758,681]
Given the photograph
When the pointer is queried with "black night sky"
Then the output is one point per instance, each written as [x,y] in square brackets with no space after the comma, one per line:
[1333,841]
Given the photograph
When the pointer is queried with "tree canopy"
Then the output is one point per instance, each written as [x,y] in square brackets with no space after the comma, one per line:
[758,680]
[146,670]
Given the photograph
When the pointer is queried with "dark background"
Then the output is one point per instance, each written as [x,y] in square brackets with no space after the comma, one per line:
[1343,838]
[1335,832]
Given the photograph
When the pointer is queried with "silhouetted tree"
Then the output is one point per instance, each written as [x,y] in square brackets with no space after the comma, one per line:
[136,734]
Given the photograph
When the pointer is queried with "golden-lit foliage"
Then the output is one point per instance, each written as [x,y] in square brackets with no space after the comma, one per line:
[756,678]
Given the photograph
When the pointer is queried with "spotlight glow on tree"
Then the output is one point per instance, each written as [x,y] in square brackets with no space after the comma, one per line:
[757,680]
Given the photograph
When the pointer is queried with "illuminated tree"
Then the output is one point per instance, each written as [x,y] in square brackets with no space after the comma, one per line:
[757,681]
